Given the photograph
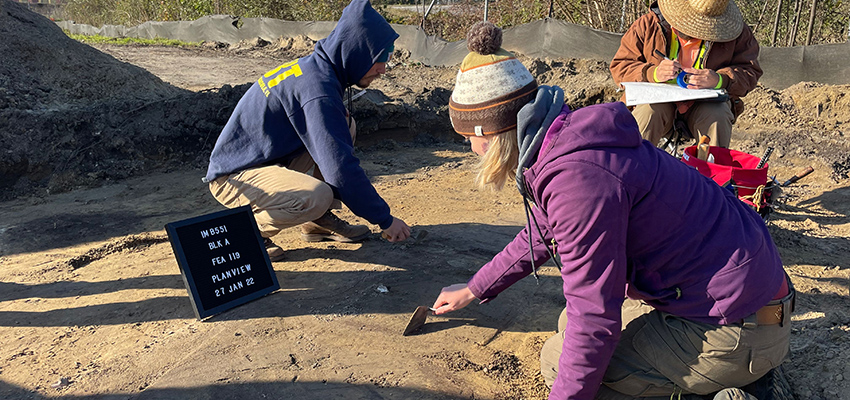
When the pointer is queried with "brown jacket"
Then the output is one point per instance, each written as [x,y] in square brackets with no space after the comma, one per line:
[736,61]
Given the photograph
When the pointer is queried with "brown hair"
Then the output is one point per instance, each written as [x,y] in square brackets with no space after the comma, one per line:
[499,163]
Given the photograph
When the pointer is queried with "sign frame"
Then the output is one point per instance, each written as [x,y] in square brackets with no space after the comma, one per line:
[189,270]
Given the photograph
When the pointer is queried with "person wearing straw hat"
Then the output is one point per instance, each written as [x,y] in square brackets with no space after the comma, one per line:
[288,148]
[671,284]
[709,42]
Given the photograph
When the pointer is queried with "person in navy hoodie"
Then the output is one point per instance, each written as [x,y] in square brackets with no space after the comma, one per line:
[287,149]
[673,286]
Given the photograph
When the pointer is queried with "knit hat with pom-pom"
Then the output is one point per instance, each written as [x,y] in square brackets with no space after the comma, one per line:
[491,86]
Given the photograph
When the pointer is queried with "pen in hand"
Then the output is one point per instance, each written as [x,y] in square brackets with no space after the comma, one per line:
[676,67]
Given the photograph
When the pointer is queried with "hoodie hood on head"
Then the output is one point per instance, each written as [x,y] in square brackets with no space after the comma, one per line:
[355,44]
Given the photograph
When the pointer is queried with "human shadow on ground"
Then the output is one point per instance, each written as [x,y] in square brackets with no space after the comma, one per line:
[35,229]
[65,230]
[413,274]
[798,246]
[61,289]
[828,302]
[70,229]
[833,200]
[252,390]
[821,311]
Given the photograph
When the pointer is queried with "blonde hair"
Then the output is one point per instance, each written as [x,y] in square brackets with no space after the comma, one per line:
[499,163]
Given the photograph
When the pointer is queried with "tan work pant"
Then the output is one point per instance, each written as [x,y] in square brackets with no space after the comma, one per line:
[660,354]
[281,196]
[713,119]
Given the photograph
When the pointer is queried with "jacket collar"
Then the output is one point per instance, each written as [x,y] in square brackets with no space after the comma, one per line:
[533,120]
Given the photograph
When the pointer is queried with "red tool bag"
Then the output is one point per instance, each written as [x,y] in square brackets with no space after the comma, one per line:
[737,172]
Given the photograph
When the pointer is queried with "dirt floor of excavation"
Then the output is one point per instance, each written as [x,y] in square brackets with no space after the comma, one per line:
[92,304]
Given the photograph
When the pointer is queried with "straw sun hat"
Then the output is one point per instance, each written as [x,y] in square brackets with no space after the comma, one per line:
[712,20]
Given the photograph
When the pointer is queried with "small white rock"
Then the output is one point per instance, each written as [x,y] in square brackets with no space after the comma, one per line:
[62,382]
[382,289]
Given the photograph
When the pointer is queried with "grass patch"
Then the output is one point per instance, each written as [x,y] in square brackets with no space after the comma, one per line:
[97,39]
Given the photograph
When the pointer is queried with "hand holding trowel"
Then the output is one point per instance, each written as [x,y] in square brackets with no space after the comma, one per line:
[451,298]
[413,238]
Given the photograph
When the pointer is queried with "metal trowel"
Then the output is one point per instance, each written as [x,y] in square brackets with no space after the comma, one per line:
[417,320]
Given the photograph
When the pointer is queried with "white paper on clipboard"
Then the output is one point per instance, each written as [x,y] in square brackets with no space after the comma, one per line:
[650,93]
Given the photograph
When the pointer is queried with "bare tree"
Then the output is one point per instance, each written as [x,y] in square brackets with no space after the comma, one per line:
[776,23]
[761,15]
[811,22]
[602,24]
[795,24]
[570,9]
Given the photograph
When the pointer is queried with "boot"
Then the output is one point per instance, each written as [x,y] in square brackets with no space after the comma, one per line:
[275,252]
[733,394]
[331,227]
[772,386]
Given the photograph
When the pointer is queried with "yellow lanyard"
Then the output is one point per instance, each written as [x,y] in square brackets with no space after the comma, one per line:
[674,50]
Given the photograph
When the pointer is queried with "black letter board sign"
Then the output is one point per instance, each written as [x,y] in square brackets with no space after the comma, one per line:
[222,259]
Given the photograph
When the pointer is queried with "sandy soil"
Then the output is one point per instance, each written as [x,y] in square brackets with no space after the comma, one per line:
[92,304]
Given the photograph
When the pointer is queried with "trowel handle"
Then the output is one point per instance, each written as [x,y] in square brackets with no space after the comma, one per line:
[798,176]
[764,158]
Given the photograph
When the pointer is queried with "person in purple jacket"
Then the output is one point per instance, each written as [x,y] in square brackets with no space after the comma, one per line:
[673,286]
[287,149]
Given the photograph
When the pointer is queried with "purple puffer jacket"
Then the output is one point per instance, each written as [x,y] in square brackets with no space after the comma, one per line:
[630,220]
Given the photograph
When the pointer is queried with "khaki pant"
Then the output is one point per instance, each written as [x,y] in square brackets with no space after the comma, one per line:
[660,354]
[281,196]
[713,119]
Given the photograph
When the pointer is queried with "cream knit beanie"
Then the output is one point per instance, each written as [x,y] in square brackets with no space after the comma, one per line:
[491,86]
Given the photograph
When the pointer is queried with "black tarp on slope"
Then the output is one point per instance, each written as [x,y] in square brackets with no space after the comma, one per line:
[783,66]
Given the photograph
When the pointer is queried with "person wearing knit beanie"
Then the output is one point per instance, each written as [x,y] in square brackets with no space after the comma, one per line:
[491,86]
[606,207]
[490,89]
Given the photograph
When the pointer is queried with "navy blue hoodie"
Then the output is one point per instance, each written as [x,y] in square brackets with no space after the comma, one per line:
[299,106]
